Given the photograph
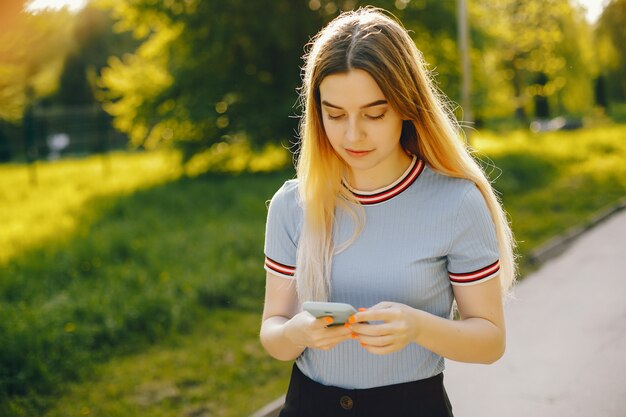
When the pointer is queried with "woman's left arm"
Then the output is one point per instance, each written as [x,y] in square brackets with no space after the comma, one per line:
[479,336]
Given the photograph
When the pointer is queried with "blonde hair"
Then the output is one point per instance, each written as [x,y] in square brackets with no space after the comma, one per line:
[369,40]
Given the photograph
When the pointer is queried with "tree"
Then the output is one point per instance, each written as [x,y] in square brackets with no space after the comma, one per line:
[207,72]
[611,46]
[32,51]
[94,42]
[534,52]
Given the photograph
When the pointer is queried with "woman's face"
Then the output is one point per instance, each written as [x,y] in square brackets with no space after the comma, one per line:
[362,128]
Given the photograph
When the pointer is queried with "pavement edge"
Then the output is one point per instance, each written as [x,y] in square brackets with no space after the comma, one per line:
[560,243]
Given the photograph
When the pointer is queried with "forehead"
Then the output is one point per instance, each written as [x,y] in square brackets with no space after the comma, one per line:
[354,88]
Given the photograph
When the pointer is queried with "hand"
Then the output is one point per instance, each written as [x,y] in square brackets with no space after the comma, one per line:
[304,330]
[401,326]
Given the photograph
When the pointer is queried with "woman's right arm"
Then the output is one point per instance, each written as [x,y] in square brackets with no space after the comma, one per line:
[286,332]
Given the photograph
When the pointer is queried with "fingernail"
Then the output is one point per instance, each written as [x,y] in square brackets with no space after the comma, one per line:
[353,335]
[362,344]
[328,320]
[346,325]
[362,309]
[351,320]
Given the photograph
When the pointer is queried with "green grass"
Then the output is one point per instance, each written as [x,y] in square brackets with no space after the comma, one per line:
[218,370]
[553,181]
[141,268]
[139,292]
[58,204]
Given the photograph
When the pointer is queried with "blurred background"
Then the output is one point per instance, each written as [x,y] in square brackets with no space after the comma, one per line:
[140,141]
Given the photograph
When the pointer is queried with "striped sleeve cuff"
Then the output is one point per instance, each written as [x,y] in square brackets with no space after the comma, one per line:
[476,277]
[276,268]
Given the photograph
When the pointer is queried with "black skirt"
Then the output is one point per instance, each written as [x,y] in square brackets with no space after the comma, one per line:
[424,398]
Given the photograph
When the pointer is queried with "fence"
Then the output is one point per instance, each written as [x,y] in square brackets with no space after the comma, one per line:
[56,132]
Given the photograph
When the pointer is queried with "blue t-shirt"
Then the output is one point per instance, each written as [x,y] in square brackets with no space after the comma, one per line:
[422,234]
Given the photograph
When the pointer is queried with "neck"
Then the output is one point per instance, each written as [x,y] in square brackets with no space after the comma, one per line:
[381,175]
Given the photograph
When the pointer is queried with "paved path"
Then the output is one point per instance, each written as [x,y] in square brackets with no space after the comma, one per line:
[566,343]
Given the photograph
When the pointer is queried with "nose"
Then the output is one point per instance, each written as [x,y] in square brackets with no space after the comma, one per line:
[353,130]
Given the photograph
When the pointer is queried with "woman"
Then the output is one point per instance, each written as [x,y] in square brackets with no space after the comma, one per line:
[389,213]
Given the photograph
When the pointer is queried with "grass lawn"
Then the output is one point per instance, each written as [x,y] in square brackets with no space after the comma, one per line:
[217,370]
[553,181]
[139,292]
[136,270]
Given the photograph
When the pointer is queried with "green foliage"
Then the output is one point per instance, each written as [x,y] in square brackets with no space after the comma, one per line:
[152,264]
[32,51]
[617,112]
[95,42]
[63,203]
[532,51]
[611,42]
[551,182]
[208,72]
[200,73]
[219,369]
[524,172]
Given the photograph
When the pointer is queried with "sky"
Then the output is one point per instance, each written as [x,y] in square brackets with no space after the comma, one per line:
[593,7]
[36,5]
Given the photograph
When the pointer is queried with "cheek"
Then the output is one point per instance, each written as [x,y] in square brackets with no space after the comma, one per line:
[333,132]
[393,131]
[383,133]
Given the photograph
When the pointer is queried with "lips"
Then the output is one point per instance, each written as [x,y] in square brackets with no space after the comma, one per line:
[357,153]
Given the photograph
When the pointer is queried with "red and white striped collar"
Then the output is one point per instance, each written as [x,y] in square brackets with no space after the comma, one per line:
[387,193]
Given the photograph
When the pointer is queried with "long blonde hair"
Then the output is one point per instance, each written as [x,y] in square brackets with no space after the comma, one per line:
[369,40]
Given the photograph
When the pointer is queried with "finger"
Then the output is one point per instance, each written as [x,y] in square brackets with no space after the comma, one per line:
[371,329]
[382,305]
[357,318]
[321,336]
[331,331]
[380,350]
[376,341]
[386,314]
[336,331]
[327,332]
[328,343]
[322,322]
[340,339]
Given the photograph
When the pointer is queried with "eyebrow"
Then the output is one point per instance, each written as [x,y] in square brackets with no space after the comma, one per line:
[372,104]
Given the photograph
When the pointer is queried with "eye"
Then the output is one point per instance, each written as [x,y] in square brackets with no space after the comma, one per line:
[334,117]
[378,117]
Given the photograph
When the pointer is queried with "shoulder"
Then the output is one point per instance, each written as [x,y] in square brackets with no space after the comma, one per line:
[286,200]
[461,200]
[282,230]
[450,190]
[287,194]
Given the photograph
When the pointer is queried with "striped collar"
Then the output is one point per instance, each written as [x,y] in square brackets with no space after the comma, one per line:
[387,193]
